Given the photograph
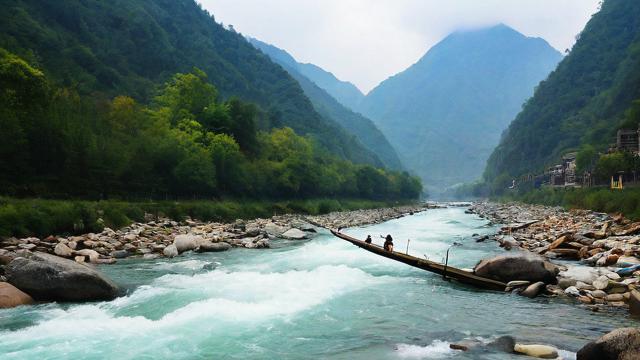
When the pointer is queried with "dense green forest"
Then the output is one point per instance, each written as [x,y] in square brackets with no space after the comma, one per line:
[329,107]
[444,114]
[109,48]
[583,102]
[185,143]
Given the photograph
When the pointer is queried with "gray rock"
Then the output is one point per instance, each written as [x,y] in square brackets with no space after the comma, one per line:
[186,242]
[275,229]
[564,282]
[601,283]
[88,253]
[581,273]
[572,290]
[518,283]
[120,254]
[49,277]
[533,290]
[294,234]
[214,247]
[503,343]
[619,344]
[170,251]
[517,267]
[63,250]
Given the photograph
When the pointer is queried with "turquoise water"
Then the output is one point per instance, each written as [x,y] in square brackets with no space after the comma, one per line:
[322,298]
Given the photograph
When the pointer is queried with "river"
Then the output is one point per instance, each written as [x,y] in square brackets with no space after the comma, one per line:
[322,298]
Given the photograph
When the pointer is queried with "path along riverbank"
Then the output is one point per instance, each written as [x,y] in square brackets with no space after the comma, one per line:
[598,254]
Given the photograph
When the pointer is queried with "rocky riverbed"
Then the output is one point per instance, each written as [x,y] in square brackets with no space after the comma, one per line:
[598,255]
[167,238]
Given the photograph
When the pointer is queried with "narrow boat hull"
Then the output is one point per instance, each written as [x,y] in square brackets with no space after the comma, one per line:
[448,272]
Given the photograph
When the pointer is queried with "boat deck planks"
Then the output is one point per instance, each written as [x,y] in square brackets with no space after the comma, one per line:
[448,272]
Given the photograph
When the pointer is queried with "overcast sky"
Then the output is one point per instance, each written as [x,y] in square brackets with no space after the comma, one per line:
[366,41]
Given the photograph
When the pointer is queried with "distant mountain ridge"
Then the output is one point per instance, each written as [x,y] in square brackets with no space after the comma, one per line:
[364,129]
[444,114]
[583,102]
[345,92]
[119,47]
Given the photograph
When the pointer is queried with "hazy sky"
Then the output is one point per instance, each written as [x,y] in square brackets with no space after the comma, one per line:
[366,41]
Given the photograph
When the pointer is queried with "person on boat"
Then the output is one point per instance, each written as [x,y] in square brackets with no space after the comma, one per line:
[388,243]
[368,240]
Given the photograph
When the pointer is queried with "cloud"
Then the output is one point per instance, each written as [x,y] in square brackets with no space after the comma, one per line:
[366,41]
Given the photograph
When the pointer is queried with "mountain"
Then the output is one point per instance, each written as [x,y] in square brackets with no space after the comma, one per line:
[363,128]
[119,47]
[583,102]
[345,92]
[444,114]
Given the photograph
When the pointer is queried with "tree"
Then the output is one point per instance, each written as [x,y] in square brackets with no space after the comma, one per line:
[586,158]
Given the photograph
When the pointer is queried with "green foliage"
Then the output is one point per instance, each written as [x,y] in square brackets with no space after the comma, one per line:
[182,146]
[364,130]
[104,49]
[626,201]
[583,102]
[36,217]
[586,158]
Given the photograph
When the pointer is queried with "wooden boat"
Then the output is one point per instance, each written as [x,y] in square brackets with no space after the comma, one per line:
[448,272]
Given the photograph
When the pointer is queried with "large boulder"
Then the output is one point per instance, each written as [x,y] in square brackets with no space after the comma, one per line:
[49,277]
[63,250]
[274,229]
[619,344]
[10,296]
[581,273]
[187,242]
[170,251]
[294,234]
[213,247]
[517,267]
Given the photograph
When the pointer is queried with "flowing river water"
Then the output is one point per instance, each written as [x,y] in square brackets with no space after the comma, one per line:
[321,298]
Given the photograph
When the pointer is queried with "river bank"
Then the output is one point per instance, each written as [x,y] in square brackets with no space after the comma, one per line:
[168,238]
[598,253]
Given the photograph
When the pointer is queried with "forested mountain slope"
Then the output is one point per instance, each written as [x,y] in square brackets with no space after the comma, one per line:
[121,47]
[444,115]
[363,128]
[582,102]
[345,92]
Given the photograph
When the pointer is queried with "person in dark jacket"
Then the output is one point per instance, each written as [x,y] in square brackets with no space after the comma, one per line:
[388,243]
[368,240]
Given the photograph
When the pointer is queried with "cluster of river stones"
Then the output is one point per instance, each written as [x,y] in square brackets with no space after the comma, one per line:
[597,253]
[590,256]
[61,268]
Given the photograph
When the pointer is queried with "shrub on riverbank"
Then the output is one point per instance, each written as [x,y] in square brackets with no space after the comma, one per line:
[626,201]
[39,217]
